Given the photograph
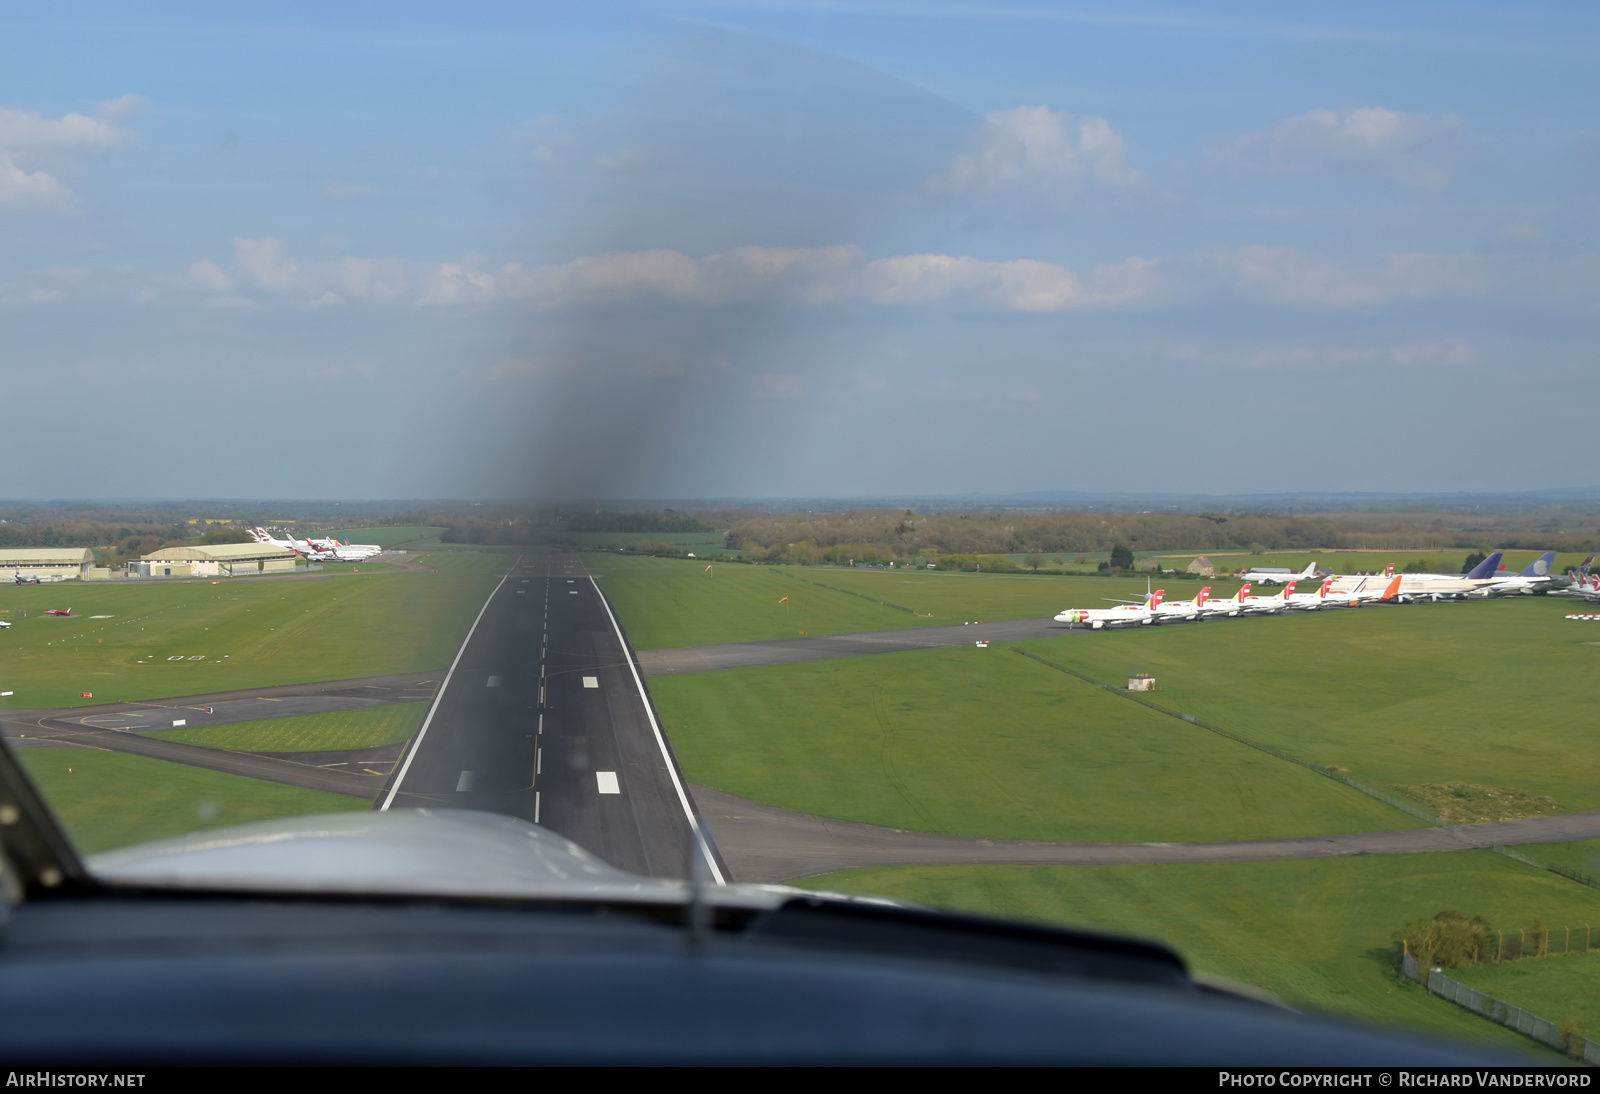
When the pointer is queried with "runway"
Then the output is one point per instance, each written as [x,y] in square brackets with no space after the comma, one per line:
[787,651]
[544,716]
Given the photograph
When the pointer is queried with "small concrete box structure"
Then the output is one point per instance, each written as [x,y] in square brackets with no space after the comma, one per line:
[215,560]
[47,563]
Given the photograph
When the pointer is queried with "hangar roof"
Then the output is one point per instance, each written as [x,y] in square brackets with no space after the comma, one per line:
[219,552]
[42,556]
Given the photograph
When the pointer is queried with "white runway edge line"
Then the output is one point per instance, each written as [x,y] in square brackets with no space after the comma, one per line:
[437,699]
[661,743]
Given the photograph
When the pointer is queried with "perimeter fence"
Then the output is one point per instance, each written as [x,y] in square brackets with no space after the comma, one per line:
[1562,1038]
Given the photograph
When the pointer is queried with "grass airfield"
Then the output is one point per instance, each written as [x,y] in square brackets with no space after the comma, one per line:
[984,742]
[1318,933]
[174,638]
[337,731]
[109,799]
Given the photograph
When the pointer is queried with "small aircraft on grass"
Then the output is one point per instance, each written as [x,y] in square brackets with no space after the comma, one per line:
[58,611]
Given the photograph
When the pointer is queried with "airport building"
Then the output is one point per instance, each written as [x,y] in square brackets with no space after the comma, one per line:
[215,560]
[47,563]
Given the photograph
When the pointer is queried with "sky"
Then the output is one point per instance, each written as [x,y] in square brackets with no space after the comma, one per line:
[796,249]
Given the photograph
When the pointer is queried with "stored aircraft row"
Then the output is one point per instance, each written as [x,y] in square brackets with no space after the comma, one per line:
[321,550]
[1484,580]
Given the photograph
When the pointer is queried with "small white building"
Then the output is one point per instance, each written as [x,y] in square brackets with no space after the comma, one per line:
[46,563]
[215,560]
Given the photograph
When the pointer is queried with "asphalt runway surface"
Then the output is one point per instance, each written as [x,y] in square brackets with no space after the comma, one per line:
[787,651]
[545,717]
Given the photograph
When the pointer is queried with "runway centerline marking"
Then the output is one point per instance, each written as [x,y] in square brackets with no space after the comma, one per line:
[608,782]
[591,681]
[494,681]
[464,782]
[428,721]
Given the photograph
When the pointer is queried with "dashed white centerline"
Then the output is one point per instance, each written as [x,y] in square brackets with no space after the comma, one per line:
[591,681]
[494,681]
[608,782]
[464,782]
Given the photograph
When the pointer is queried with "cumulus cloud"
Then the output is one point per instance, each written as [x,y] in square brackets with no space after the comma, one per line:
[1284,275]
[816,276]
[1260,276]
[1035,153]
[1409,149]
[27,138]
[262,264]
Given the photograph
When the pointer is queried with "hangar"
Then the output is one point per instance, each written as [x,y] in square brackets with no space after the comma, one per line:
[215,560]
[47,563]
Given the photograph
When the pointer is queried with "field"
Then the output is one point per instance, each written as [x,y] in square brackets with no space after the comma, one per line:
[1480,708]
[666,603]
[108,799]
[185,638]
[985,743]
[1557,988]
[388,724]
[390,536]
[1477,694]
[1316,933]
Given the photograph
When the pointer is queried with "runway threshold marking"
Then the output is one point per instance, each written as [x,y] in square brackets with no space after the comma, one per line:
[608,782]
[661,743]
[434,709]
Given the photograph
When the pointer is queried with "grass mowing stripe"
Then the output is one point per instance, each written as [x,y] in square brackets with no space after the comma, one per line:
[965,742]
[1321,769]
[851,592]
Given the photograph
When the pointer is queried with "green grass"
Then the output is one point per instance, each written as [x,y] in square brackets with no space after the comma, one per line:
[667,603]
[234,634]
[1317,933]
[1557,988]
[987,743]
[108,799]
[387,724]
[1482,693]
[391,537]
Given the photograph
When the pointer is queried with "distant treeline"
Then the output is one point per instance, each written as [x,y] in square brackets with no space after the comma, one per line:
[876,535]
[550,529]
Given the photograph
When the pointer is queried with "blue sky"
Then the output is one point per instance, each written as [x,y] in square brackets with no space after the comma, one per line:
[796,249]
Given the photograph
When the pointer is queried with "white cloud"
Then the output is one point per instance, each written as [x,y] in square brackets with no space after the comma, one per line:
[262,263]
[1284,275]
[27,137]
[1259,276]
[20,187]
[1037,153]
[1370,140]
[823,275]
[209,276]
